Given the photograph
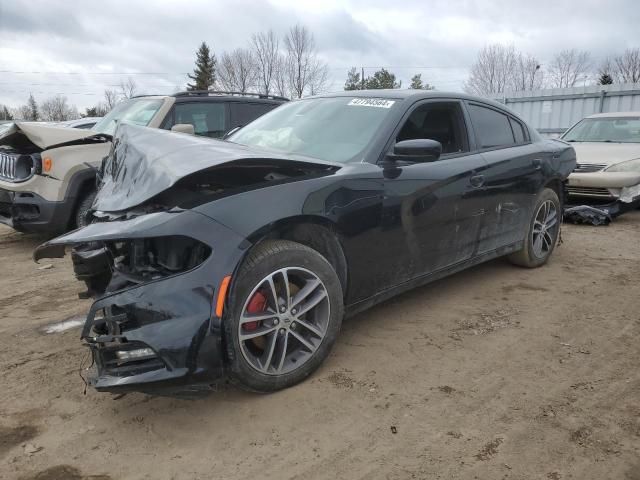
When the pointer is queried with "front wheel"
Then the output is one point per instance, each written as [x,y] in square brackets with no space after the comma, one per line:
[285,312]
[82,211]
[543,232]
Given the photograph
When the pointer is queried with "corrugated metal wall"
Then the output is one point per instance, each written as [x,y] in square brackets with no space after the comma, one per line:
[554,110]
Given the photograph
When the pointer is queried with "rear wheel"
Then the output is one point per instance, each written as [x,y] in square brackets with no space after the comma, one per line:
[285,313]
[542,235]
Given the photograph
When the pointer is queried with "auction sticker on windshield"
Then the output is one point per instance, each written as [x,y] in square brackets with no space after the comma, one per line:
[371,102]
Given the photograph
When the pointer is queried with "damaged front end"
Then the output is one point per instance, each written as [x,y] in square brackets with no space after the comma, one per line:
[153,324]
[155,264]
[39,174]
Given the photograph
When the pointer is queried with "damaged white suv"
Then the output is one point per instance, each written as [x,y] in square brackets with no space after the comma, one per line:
[607,148]
[48,173]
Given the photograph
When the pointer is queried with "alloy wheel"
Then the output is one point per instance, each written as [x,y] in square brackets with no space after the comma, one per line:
[284,320]
[545,225]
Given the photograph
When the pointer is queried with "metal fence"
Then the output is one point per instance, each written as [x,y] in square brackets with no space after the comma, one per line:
[554,110]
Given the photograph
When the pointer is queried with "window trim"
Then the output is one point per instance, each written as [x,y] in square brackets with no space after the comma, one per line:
[527,139]
[466,137]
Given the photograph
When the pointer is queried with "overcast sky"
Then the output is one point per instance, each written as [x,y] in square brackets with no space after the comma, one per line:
[79,48]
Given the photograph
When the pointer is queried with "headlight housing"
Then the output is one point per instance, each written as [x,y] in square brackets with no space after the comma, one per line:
[628,166]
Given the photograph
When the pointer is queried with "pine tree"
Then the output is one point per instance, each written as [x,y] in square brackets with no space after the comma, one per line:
[416,82]
[382,79]
[605,79]
[204,74]
[5,114]
[34,114]
[353,80]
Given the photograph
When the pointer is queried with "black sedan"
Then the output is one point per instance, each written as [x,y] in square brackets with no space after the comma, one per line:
[241,257]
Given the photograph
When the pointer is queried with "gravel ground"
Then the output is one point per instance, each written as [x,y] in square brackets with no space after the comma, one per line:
[494,373]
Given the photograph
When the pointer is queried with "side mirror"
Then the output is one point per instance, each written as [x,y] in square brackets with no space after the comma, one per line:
[418,150]
[184,128]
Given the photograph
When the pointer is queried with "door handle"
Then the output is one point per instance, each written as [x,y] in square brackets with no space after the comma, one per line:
[477,181]
[537,163]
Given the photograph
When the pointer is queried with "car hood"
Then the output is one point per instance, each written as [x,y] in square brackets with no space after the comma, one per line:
[604,153]
[44,136]
[144,162]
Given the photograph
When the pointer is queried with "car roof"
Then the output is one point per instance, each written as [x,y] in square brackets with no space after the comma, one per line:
[614,115]
[413,94]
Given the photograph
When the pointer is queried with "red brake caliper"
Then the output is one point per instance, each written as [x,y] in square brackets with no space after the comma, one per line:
[257,304]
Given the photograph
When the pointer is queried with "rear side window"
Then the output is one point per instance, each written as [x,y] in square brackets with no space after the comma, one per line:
[207,118]
[518,131]
[493,128]
[244,113]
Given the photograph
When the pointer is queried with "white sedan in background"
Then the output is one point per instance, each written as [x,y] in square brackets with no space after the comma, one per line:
[607,148]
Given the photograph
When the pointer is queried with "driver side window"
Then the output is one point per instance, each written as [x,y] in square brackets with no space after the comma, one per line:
[441,121]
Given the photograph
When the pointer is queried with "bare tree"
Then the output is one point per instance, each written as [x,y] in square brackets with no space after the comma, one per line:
[128,89]
[627,66]
[319,78]
[110,99]
[492,71]
[568,67]
[302,61]
[266,52]
[56,109]
[280,78]
[238,70]
[526,74]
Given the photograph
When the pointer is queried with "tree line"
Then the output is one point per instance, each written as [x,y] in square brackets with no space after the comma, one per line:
[499,68]
[289,66]
[268,65]
[58,109]
[381,79]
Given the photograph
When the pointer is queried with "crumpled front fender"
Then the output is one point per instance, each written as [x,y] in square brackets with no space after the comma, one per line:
[159,224]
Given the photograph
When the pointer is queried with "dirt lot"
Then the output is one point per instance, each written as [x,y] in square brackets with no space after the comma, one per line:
[494,373]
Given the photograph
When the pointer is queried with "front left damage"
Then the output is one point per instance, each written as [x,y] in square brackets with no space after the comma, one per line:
[156,266]
[153,320]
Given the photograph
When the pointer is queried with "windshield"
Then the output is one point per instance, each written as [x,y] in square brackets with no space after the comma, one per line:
[336,129]
[619,130]
[139,111]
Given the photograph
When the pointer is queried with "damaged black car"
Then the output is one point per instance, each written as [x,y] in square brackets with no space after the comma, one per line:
[240,258]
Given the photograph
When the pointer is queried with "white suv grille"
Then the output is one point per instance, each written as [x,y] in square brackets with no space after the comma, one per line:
[8,166]
[16,167]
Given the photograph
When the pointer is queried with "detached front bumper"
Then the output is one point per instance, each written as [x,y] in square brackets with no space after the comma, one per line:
[624,186]
[29,212]
[159,336]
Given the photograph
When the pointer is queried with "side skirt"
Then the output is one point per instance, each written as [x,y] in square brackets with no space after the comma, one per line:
[379,297]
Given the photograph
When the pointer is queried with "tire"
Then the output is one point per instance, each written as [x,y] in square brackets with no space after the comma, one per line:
[262,364]
[531,256]
[81,217]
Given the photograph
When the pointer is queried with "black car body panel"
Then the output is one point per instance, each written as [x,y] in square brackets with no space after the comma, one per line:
[144,162]
[385,225]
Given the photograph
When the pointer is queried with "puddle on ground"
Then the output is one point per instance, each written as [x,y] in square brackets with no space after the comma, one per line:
[64,325]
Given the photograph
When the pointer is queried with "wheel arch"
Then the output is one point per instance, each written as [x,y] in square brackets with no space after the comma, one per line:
[318,233]
[82,182]
[558,186]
